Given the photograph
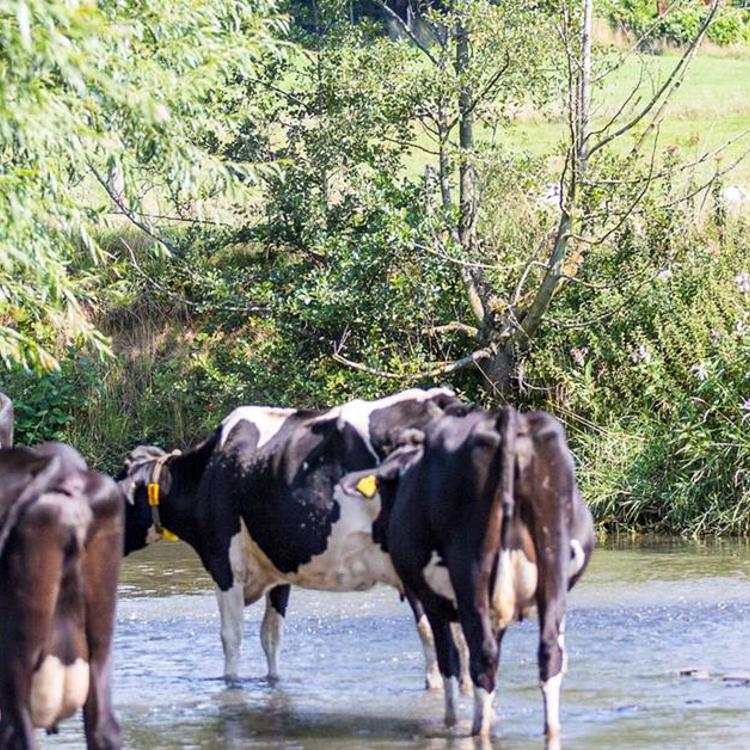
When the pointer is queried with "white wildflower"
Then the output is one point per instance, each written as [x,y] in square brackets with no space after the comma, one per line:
[700,371]
[642,354]
[742,282]
[579,355]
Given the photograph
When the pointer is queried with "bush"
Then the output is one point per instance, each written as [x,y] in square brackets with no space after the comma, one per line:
[681,24]
[657,397]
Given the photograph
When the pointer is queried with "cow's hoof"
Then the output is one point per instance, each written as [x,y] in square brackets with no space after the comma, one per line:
[552,743]
[273,678]
[433,680]
[232,681]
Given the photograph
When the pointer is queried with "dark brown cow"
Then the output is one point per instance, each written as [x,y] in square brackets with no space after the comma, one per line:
[484,524]
[61,531]
[6,422]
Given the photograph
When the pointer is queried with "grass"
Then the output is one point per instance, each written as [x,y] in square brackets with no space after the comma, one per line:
[711,107]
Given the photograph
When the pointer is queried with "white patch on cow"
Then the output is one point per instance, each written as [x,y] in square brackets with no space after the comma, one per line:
[57,691]
[465,682]
[437,577]
[578,558]
[551,693]
[231,605]
[561,644]
[267,419]
[352,561]
[432,672]
[74,512]
[484,712]
[271,637]
[515,587]
[450,687]
[357,412]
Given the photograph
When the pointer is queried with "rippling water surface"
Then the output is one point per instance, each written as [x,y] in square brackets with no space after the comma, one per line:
[353,675]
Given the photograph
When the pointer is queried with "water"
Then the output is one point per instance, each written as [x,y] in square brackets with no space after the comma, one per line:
[352,665]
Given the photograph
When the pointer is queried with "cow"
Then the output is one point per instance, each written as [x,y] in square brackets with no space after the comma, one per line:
[484,524]
[6,422]
[257,500]
[61,529]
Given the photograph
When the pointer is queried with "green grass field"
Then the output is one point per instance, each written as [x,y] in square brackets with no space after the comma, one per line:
[711,107]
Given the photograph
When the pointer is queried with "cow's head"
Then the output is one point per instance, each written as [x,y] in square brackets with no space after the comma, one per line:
[379,485]
[142,466]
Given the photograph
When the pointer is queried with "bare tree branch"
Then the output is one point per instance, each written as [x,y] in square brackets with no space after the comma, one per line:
[383,5]
[127,212]
[452,327]
[442,369]
[666,89]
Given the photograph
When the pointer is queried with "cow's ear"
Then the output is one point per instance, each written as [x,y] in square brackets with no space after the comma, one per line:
[133,479]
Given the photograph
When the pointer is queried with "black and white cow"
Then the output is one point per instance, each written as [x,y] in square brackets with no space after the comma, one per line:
[484,524]
[61,531]
[6,422]
[259,502]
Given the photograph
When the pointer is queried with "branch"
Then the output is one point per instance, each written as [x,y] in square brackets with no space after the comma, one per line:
[451,327]
[666,89]
[408,31]
[128,212]
[443,369]
[487,88]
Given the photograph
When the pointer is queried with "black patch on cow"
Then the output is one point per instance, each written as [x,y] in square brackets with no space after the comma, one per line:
[387,424]
[286,495]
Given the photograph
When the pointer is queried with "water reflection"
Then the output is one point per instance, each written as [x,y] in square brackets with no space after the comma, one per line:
[352,665]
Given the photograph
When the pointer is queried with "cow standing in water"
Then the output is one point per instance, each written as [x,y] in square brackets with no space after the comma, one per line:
[259,501]
[484,523]
[60,538]
[6,422]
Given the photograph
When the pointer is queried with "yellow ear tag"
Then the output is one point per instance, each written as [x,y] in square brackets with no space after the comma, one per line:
[169,536]
[153,494]
[368,485]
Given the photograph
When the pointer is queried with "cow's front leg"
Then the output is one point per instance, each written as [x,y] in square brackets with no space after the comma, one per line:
[551,664]
[432,679]
[447,656]
[231,608]
[272,627]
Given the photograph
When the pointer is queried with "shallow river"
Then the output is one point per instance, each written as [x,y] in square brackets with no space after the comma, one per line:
[352,664]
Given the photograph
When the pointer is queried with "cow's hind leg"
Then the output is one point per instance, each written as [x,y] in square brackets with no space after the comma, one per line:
[432,678]
[447,656]
[100,572]
[272,627]
[30,574]
[483,659]
[551,663]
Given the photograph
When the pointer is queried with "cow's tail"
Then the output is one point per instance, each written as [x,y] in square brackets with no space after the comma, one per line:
[508,431]
[502,508]
[36,486]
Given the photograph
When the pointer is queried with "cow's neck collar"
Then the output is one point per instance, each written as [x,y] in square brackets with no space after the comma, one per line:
[154,493]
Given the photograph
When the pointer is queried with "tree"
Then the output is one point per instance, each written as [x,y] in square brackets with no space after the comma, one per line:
[89,89]
[509,302]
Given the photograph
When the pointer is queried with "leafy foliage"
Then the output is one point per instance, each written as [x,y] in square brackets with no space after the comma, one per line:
[678,23]
[86,89]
